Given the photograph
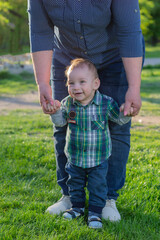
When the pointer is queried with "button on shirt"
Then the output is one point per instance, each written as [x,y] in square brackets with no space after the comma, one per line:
[88,141]
[102,31]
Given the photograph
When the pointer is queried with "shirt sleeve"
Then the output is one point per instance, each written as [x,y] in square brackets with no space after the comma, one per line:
[58,119]
[126,16]
[41,30]
[116,116]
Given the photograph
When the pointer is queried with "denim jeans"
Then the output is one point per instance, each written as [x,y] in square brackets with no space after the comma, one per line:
[114,84]
[95,179]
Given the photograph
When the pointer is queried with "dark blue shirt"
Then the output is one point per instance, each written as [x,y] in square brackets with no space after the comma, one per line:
[101,30]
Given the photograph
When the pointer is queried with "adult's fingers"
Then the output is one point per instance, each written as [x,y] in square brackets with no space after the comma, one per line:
[51,109]
[127,107]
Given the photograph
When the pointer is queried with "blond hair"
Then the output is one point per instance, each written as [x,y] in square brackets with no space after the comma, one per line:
[80,62]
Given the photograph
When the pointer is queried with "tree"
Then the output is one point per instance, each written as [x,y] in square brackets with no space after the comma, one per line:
[154,27]
[14,25]
[146,18]
[150,20]
[4,7]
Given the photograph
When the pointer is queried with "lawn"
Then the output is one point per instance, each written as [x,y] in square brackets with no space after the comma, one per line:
[16,84]
[28,173]
[153,51]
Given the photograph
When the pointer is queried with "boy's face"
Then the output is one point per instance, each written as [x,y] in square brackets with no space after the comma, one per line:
[82,84]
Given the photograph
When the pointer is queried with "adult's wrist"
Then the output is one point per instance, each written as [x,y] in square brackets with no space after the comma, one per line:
[42,84]
[134,87]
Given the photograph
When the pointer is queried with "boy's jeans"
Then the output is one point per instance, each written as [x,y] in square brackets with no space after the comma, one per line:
[95,178]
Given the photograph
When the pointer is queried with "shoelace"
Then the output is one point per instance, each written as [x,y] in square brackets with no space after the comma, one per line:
[110,203]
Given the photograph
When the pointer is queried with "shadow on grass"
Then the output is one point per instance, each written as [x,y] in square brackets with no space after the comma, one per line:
[5,74]
[150,88]
[22,78]
[151,100]
[15,84]
[152,67]
[19,101]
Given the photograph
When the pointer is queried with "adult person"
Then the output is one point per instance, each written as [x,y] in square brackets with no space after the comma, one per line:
[108,33]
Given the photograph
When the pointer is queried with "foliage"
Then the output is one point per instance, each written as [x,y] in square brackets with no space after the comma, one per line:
[4,7]
[155,25]
[14,35]
[14,25]
[146,18]
[150,20]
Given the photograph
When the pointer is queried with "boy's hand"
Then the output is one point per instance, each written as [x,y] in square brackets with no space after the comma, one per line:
[130,112]
[53,108]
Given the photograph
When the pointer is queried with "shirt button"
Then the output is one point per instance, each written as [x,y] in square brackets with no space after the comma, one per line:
[85,52]
[81,37]
[78,21]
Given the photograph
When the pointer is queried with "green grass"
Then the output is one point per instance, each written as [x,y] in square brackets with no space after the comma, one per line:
[150,91]
[28,175]
[25,49]
[16,84]
[153,51]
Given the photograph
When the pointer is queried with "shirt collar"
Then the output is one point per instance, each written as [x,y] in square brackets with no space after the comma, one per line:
[96,99]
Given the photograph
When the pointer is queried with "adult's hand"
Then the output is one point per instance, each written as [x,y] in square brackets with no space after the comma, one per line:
[132,100]
[49,106]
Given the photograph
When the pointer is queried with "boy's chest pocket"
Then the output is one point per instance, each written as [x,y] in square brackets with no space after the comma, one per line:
[98,122]
[97,125]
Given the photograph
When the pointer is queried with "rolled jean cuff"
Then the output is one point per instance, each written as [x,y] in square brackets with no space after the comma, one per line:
[95,209]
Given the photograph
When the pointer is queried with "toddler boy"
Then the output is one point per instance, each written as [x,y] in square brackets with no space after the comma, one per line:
[88,142]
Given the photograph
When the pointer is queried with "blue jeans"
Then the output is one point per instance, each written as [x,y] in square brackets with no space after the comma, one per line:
[114,84]
[97,186]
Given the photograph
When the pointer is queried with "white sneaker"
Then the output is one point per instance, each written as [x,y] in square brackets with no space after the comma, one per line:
[110,211]
[62,205]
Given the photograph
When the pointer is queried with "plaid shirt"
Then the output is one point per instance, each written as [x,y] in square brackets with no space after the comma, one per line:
[88,141]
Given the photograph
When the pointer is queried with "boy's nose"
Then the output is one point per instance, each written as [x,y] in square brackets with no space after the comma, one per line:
[76,86]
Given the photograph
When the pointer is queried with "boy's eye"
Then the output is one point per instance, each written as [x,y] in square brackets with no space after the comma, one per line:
[70,83]
[82,81]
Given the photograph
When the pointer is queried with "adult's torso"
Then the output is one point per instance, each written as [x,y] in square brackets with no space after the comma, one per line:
[83,28]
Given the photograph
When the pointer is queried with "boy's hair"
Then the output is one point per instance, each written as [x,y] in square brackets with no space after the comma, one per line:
[80,62]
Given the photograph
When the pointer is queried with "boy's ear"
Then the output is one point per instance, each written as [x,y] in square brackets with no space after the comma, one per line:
[96,83]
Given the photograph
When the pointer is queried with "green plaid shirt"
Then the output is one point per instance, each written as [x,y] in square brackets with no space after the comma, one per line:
[88,141]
